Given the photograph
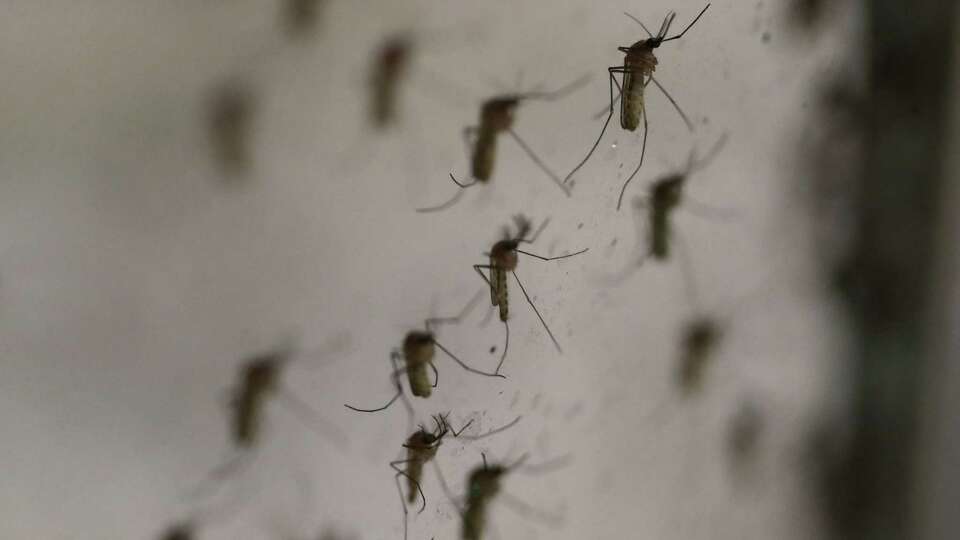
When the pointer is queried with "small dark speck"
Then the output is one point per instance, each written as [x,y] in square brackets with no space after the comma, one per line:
[493,349]
[614,242]
[580,226]
[766,37]
[706,120]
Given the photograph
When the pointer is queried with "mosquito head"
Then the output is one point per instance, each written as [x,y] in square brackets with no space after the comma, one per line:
[504,255]
[497,113]
[260,373]
[418,347]
[484,482]
[180,531]
[701,335]
[395,52]
[668,191]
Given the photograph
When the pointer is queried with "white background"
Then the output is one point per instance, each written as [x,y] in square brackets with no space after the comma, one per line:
[134,280]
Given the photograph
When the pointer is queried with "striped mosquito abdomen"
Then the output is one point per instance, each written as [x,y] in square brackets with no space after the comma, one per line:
[484,154]
[418,352]
[500,291]
[639,65]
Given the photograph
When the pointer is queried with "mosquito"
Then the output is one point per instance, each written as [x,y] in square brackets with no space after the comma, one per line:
[300,16]
[483,485]
[504,258]
[259,382]
[637,70]
[230,123]
[421,448]
[496,118]
[418,351]
[666,195]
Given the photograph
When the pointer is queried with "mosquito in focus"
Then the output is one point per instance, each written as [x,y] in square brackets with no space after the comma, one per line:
[419,349]
[503,259]
[637,70]
[421,448]
[231,112]
[496,118]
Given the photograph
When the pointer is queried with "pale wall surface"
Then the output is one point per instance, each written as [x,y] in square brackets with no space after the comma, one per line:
[133,281]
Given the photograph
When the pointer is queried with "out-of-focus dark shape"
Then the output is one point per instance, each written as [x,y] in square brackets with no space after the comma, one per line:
[744,435]
[884,273]
[390,65]
[701,336]
[180,531]
[230,118]
[807,14]
[301,17]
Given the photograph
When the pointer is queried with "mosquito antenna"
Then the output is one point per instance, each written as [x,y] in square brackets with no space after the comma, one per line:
[643,152]
[465,366]
[680,35]
[636,20]
[450,202]
[612,81]
[529,301]
[536,159]
[665,26]
[500,429]
[676,106]
[536,234]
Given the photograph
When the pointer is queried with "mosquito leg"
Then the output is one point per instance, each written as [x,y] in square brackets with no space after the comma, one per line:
[553,258]
[436,375]
[450,202]
[506,345]
[643,152]
[500,429]
[610,72]
[465,366]
[680,35]
[638,21]
[312,419]
[403,503]
[393,465]
[478,267]
[529,301]
[446,488]
[536,159]
[454,320]
[396,380]
[676,106]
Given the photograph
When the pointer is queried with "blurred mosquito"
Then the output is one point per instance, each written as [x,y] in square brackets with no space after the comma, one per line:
[483,485]
[419,348]
[231,112]
[390,64]
[744,435]
[300,17]
[258,383]
[421,448]
[504,258]
[637,70]
[496,118]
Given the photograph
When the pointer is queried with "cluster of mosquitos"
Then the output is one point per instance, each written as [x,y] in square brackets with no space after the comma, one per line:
[261,377]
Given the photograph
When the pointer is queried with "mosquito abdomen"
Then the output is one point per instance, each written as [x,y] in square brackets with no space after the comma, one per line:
[659,234]
[631,107]
[474,519]
[484,154]
[414,473]
[419,381]
[501,292]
